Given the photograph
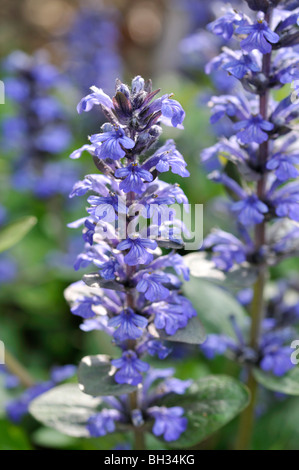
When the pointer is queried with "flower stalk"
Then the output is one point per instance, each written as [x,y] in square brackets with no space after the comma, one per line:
[263,193]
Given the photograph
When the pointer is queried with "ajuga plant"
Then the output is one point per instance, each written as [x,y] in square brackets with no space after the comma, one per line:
[135,294]
[37,131]
[257,166]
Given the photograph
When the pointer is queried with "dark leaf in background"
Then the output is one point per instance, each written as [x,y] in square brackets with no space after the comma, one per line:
[209,404]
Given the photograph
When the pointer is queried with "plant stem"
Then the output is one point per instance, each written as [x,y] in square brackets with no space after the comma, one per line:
[18,370]
[247,417]
[139,437]
[257,306]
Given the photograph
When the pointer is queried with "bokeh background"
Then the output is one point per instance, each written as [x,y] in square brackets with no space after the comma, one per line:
[70,46]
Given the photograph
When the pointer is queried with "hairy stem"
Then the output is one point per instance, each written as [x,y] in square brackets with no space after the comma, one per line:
[15,368]
[257,306]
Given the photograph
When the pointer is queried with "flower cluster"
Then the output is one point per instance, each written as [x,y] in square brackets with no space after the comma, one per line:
[134,295]
[37,131]
[278,331]
[263,150]
[168,422]
[276,131]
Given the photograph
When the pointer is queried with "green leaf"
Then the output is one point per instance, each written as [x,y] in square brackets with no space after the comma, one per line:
[66,409]
[209,404]
[13,233]
[238,278]
[4,397]
[214,306]
[170,244]
[95,280]
[47,437]
[288,384]
[277,428]
[95,375]
[193,333]
[13,437]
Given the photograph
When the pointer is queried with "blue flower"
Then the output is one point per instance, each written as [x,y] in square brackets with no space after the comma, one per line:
[240,67]
[10,381]
[103,423]
[166,158]
[152,286]
[129,325]
[138,250]
[111,144]
[96,98]
[89,232]
[215,345]
[169,422]
[156,348]
[97,183]
[77,153]
[172,110]
[108,269]
[59,374]
[83,307]
[250,210]
[96,254]
[232,106]
[290,73]
[106,208]
[286,201]
[17,408]
[227,249]
[129,368]
[245,296]
[134,178]
[260,37]
[169,317]
[224,26]
[8,269]
[252,130]
[98,323]
[277,360]
[284,166]
[289,20]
